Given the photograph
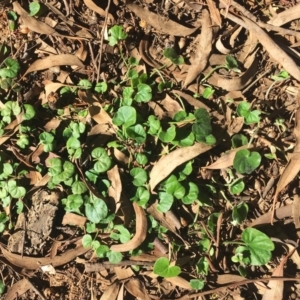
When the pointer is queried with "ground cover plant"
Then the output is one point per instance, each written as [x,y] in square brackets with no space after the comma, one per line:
[149,150]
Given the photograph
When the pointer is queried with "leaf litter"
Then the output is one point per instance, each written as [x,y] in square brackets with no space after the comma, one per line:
[165,184]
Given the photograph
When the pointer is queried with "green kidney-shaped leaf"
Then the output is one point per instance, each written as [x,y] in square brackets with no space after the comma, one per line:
[14,190]
[137,132]
[114,257]
[259,245]
[126,115]
[96,211]
[162,268]
[239,213]
[197,284]
[79,187]
[144,93]
[56,166]
[169,135]
[245,162]
[29,112]
[243,109]
[239,140]
[165,202]
[11,70]
[139,175]
[237,187]
[87,241]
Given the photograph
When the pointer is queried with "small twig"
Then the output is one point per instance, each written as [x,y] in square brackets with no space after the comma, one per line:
[67,8]
[102,39]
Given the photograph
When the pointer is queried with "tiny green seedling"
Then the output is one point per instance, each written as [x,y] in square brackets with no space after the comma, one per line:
[250,116]
[162,268]
[116,34]
[230,64]
[282,76]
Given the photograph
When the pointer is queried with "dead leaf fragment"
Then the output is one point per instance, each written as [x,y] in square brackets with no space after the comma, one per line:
[160,23]
[171,161]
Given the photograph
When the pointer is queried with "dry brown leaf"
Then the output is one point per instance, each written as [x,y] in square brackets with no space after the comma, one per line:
[115,188]
[279,214]
[55,60]
[296,211]
[137,289]
[160,23]
[140,231]
[111,293]
[203,50]
[92,6]
[275,287]
[226,160]
[51,87]
[279,55]
[18,289]
[32,23]
[123,273]
[73,219]
[171,161]
[180,282]
[227,278]
[286,16]
[33,263]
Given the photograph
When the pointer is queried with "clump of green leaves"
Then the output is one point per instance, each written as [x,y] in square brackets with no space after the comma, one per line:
[8,73]
[116,34]
[171,54]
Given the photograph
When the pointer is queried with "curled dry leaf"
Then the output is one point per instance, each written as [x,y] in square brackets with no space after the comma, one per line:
[171,161]
[160,23]
[226,160]
[55,60]
[279,55]
[140,231]
[203,50]
[286,16]
[33,263]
